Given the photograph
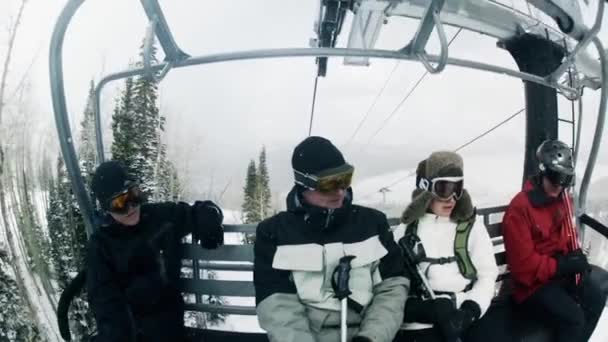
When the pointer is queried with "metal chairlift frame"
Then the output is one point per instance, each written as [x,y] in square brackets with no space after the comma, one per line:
[486,17]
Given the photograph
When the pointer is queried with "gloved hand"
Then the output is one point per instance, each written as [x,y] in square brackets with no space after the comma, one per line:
[428,311]
[573,262]
[360,339]
[453,325]
[208,218]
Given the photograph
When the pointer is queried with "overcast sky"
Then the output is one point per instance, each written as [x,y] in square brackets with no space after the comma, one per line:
[220,115]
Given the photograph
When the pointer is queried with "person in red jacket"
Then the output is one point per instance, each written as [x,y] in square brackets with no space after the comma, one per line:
[550,273]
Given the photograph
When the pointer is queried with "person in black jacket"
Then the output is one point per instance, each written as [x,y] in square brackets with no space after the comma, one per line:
[133,259]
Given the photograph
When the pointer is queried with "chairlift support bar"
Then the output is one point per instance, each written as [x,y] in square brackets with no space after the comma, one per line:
[61,113]
[599,129]
[310,52]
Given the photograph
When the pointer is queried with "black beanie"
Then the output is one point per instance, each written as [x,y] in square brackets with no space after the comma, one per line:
[316,154]
[110,178]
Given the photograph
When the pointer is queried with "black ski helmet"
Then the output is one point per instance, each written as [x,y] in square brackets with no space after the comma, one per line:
[555,161]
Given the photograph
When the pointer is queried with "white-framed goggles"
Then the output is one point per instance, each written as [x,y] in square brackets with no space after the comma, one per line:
[443,187]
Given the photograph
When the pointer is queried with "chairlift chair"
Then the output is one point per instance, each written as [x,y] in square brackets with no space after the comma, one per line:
[552,59]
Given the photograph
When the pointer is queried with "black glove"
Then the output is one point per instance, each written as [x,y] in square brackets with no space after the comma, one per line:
[428,311]
[453,325]
[208,228]
[573,262]
[360,339]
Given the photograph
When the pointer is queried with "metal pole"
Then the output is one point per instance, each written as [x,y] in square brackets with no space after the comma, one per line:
[599,128]
[62,122]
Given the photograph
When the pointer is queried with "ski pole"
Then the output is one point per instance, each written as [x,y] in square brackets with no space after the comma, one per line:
[340,280]
[411,262]
[574,243]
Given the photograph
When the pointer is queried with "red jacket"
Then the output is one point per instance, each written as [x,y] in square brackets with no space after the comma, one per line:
[535,228]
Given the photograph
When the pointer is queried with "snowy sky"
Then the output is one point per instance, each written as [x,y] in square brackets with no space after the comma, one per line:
[220,115]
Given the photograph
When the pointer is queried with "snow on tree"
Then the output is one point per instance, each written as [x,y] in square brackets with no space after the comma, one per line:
[87,154]
[251,203]
[15,321]
[68,246]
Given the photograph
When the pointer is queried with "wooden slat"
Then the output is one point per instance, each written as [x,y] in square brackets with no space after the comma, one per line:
[225,253]
[240,228]
[222,309]
[394,221]
[225,267]
[218,287]
[491,210]
[494,230]
[501,258]
[503,276]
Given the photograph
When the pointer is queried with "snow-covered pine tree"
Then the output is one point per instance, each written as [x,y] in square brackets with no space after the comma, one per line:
[68,243]
[149,125]
[251,203]
[264,195]
[126,143]
[15,321]
[87,148]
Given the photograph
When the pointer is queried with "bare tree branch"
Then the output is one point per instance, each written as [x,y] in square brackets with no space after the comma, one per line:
[9,54]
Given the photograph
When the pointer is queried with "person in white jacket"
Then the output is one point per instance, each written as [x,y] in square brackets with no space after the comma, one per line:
[461,273]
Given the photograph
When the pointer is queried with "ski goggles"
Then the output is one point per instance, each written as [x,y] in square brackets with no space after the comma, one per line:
[328,180]
[558,178]
[131,197]
[443,187]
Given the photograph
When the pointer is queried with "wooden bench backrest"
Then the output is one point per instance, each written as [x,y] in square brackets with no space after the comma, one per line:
[240,258]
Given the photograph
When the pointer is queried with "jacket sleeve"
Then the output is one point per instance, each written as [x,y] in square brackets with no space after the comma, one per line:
[482,256]
[203,220]
[384,316]
[107,300]
[278,307]
[526,265]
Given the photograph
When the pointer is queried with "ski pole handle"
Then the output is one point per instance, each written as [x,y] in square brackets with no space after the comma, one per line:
[341,277]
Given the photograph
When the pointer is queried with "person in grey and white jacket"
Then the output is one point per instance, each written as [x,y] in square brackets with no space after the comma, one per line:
[455,254]
[297,251]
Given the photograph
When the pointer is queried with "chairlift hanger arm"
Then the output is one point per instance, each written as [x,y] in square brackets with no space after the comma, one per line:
[332,17]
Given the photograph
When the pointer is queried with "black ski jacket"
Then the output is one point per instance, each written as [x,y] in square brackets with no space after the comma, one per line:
[133,272]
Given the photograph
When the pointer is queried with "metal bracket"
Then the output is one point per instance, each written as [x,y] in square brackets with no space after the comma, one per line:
[566,13]
[163,33]
[587,38]
[367,22]
[430,20]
